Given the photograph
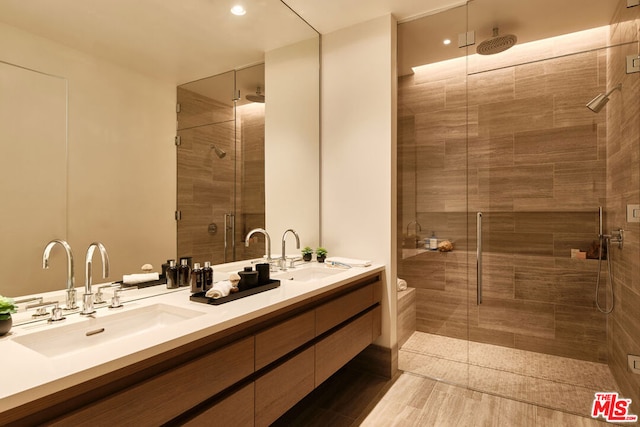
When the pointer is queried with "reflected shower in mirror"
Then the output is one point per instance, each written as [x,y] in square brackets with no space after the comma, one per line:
[221,165]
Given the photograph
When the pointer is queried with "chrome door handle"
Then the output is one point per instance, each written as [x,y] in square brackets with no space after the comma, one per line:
[479,256]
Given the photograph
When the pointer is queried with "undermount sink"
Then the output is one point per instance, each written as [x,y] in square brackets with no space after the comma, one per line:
[308,273]
[97,331]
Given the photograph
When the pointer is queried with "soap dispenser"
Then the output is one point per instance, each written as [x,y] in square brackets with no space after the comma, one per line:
[207,272]
[172,275]
[184,273]
[433,241]
[197,279]
[248,279]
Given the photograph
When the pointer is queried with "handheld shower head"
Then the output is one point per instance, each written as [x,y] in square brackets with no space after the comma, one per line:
[598,103]
[219,152]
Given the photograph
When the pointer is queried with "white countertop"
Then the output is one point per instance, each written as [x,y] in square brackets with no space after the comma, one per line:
[28,375]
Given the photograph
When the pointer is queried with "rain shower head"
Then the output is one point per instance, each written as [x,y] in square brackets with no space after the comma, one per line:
[219,152]
[496,44]
[258,97]
[598,103]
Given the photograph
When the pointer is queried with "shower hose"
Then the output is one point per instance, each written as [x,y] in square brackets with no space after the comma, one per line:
[604,240]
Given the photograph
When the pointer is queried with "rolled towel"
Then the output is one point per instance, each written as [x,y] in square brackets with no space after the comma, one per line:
[134,279]
[350,261]
[219,289]
[402,284]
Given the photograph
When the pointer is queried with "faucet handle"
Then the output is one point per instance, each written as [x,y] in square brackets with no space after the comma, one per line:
[56,311]
[98,296]
[115,300]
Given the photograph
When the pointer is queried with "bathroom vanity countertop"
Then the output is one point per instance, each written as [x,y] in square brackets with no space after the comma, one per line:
[28,375]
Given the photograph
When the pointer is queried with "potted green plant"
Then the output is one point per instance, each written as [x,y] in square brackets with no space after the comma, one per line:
[307,252]
[321,254]
[7,306]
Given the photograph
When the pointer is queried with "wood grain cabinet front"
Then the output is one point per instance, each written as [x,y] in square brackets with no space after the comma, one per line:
[280,389]
[283,338]
[342,308]
[235,410]
[168,395]
[335,350]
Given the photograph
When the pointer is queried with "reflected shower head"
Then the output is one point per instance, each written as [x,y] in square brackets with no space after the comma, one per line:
[219,152]
[597,103]
[496,44]
[258,97]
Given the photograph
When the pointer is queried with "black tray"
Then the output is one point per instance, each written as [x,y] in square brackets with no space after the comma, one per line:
[199,296]
[161,281]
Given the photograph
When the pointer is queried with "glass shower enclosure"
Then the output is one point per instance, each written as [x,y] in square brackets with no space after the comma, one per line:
[499,155]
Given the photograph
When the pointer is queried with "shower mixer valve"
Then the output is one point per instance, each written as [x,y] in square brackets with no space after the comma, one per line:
[617,236]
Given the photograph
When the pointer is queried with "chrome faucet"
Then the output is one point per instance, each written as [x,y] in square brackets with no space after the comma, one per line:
[283,259]
[87,307]
[267,240]
[71,292]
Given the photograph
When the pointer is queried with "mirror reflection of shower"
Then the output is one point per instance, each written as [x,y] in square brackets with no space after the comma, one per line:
[219,152]
[597,103]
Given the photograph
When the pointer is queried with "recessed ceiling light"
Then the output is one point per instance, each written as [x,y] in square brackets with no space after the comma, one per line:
[446,41]
[238,10]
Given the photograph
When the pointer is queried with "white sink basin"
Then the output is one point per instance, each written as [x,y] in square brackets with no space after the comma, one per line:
[307,273]
[92,332]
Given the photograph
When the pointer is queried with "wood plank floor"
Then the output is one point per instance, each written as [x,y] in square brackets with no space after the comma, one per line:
[354,398]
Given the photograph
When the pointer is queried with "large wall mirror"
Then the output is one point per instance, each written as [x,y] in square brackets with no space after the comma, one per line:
[110,167]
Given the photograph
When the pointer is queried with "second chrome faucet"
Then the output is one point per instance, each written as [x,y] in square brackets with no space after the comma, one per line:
[87,298]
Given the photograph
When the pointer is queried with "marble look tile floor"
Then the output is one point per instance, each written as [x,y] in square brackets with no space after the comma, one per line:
[549,381]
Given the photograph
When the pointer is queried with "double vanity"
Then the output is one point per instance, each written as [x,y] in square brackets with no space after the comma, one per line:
[162,358]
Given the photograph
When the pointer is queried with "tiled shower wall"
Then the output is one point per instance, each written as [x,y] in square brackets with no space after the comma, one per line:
[623,177]
[517,143]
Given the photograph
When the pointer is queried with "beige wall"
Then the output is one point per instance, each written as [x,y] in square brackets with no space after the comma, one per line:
[293,134]
[121,159]
[358,151]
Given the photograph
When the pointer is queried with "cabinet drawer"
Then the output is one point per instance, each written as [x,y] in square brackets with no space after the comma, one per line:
[281,388]
[337,311]
[283,338]
[235,410]
[168,395]
[334,351]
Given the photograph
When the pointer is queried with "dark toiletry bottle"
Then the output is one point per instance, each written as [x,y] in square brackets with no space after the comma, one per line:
[263,273]
[197,278]
[172,275]
[248,278]
[165,266]
[207,272]
[184,273]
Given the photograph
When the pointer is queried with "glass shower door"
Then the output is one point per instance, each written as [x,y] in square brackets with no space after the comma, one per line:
[432,205]
[206,156]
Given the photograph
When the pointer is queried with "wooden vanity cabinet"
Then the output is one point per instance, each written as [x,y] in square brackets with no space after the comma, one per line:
[244,377]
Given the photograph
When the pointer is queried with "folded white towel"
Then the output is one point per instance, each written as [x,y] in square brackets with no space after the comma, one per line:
[350,261]
[134,279]
[402,284]
[219,289]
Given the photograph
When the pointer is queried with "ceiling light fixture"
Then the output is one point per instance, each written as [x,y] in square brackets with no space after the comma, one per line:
[238,10]
[446,42]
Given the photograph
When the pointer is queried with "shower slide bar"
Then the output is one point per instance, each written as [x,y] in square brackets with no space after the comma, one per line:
[479,256]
